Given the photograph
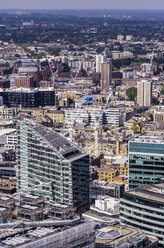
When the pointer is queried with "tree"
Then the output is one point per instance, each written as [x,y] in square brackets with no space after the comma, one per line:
[131,93]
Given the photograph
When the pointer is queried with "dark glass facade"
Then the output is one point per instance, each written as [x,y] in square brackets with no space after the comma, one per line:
[146,163]
[31,99]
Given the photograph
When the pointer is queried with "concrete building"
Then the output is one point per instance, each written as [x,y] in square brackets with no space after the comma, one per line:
[105,209]
[144,208]
[29,213]
[113,116]
[101,187]
[144,93]
[99,60]
[8,138]
[51,166]
[159,115]
[122,55]
[106,75]
[7,113]
[76,115]
[146,162]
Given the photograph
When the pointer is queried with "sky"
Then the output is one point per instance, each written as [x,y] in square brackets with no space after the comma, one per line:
[81,4]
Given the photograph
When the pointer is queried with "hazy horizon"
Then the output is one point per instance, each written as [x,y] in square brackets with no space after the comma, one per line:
[83,5]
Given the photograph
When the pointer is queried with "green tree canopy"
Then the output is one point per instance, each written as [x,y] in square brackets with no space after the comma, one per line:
[131,93]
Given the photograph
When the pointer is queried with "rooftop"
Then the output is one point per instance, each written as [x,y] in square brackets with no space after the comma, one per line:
[121,236]
[65,147]
[28,69]
[154,192]
[7,131]
[150,137]
[105,184]
[26,90]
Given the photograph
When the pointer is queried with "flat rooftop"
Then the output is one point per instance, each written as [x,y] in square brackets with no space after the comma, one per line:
[26,90]
[119,236]
[154,192]
[7,131]
[104,184]
[149,137]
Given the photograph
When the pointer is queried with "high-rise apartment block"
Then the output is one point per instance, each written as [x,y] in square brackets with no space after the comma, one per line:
[99,60]
[146,160]
[106,75]
[144,93]
[51,166]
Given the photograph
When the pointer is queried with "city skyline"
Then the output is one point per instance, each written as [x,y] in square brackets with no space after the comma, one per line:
[73,4]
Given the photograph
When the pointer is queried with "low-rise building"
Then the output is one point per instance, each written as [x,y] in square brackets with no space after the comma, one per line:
[57,116]
[105,209]
[117,236]
[104,188]
[106,174]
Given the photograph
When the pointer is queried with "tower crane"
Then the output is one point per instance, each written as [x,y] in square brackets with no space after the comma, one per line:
[52,73]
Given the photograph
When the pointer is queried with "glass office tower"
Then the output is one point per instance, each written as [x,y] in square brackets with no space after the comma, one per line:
[51,166]
[146,159]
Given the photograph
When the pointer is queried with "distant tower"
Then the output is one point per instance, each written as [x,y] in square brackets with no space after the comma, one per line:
[106,75]
[99,60]
[144,93]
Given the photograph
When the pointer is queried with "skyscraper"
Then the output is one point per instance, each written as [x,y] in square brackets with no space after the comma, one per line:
[51,166]
[146,161]
[144,93]
[106,75]
[99,60]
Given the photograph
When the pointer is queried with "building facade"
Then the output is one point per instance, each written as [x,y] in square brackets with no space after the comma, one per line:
[51,166]
[146,162]
[99,60]
[144,208]
[28,98]
[106,75]
[144,93]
